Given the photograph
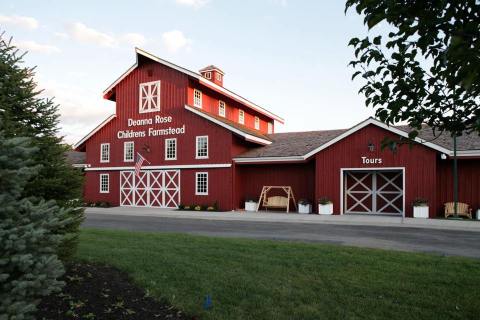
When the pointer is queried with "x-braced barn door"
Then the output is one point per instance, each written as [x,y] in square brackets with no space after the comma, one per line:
[156,188]
[377,192]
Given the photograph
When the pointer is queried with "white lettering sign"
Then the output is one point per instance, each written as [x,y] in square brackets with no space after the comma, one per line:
[150,132]
[366,160]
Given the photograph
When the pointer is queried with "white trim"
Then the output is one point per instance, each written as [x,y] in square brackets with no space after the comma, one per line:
[166,147]
[257,123]
[269,159]
[466,153]
[196,148]
[372,169]
[195,104]
[95,130]
[197,76]
[270,127]
[347,133]
[241,116]
[108,183]
[125,151]
[196,184]
[101,152]
[247,136]
[80,165]
[149,85]
[208,74]
[212,69]
[181,166]
[220,105]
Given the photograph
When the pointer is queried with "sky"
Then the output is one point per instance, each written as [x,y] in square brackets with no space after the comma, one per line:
[287,56]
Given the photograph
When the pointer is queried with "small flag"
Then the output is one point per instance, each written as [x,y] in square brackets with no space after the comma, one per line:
[207,303]
[139,163]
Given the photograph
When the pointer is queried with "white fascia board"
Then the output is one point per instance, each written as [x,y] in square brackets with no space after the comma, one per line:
[91,133]
[269,159]
[466,153]
[246,136]
[181,166]
[199,78]
[380,124]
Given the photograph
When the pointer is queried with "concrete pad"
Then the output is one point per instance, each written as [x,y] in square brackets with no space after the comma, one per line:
[262,216]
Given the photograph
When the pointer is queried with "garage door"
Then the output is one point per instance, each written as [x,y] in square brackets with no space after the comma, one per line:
[155,188]
[374,192]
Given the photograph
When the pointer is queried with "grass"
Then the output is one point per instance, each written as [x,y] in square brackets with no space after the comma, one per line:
[257,279]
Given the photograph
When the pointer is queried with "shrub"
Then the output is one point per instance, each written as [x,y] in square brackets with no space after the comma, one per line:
[324,201]
[303,202]
[420,202]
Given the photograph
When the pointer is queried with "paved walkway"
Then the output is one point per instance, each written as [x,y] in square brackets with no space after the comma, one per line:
[366,220]
[382,232]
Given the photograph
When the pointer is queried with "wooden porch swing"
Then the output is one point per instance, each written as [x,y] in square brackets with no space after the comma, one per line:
[277,202]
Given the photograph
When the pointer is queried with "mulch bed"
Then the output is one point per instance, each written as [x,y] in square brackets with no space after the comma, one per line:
[102,292]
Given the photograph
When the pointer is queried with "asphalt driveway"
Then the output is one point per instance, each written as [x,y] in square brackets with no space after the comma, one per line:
[446,242]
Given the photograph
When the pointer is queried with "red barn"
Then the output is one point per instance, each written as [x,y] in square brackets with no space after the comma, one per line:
[204,144]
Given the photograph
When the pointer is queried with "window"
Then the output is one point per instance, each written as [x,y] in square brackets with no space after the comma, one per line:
[208,75]
[104,183]
[128,151]
[241,117]
[201,183]
[171,149]
[149,98]
[221,109]
[270,128]
[257,123]
[197,98]
[219,77]
[202,147]
[105,152]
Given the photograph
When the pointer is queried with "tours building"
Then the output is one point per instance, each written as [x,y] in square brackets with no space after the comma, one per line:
[204,144]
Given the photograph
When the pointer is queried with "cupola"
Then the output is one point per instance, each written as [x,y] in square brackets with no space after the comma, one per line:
[213,74]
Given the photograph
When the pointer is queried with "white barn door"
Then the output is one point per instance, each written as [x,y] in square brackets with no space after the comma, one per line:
[156,188]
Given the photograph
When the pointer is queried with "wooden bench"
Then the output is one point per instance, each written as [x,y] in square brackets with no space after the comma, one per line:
[463,209]
[277,202]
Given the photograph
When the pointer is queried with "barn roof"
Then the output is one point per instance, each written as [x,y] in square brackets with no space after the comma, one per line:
[299,146]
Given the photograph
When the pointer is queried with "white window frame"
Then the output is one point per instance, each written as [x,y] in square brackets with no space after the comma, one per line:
[270,128]
[166,149]
[241,116]
[222,108]
[197,102]
[197,139]
[125,144]
[208,75]
[257,123]
[102,175]
[102,160]
[153,104]
[201,193]
[219,76]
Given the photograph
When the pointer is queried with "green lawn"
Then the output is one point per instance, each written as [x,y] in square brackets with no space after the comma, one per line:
[255,279]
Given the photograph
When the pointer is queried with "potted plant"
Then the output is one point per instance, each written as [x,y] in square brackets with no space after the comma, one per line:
[304,206]
[420,208]
[250,204]
[325,206]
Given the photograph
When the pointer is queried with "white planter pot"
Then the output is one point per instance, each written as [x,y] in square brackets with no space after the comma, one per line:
[304,208]
[250,206]
[420,212]
[325,208]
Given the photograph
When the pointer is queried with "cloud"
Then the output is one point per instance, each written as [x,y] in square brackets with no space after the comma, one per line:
[133,39]
[175,40]
[20,21]
[33,46]
[61,35]
[84,34]
[192,3]
[80,109]
[282,3]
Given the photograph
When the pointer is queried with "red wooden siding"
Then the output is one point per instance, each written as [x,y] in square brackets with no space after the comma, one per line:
[92,188]
[210,100]
[468,183]
[251,178]
[419,163]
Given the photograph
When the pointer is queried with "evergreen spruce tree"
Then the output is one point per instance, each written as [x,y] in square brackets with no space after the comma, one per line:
[29,237]
[26,114]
